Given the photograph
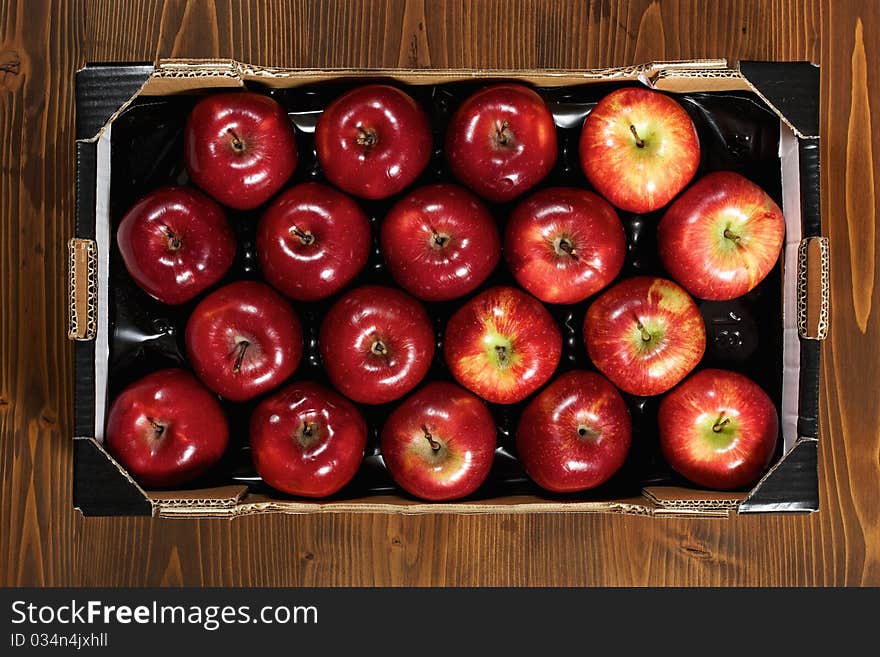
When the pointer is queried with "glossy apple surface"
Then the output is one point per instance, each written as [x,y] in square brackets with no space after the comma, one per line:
[373,141]
[166,429]
[175,242]
[501,141]
[312,241]
[721,237]
[645,334]
[243,340]
[239,147]
[502,345]
[639,149]
[376,344]
[718,429]
[307,440]
[575,434]
[439,444]
[440,242]
[564,244]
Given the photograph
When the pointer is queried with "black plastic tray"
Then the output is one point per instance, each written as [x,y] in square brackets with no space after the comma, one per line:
[737,132]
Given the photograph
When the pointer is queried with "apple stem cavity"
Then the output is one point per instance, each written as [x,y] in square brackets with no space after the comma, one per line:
[439,240]
[367,137]
[237,143]
[434,444]
[503,133]
[157,427]
[720,423]
[305,236]
[646,335]
[566,247]
[729,234]
[242,348]
[502,355]
[174,242]
[378,348]
[639,141]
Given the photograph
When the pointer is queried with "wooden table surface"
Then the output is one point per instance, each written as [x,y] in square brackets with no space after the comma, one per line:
[43,541]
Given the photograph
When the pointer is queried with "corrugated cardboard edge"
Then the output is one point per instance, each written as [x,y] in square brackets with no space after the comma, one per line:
[666,76]
[814,288]
[82,285]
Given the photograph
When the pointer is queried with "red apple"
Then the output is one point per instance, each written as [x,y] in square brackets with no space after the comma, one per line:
[564,245]
[376,344]
[373,141]
[502,344]
[645,334]
[439,444]
[166,429]
[440,242]
[307,440]
[312,241]
[175,243]
[239,147]
[721,237]
[243,340]
[639,148]
[575,434]
[501,141]
[718,429]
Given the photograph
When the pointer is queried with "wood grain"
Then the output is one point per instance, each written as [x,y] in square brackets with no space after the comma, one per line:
[44,542]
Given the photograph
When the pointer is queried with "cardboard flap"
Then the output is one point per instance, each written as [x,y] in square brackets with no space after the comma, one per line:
[102,91]
[101,487]
[791,89]
[791,486]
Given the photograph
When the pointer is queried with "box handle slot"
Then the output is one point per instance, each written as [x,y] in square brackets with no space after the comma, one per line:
[814,288]
[82,289]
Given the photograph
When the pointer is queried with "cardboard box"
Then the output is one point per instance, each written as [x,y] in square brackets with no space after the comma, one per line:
[789,90]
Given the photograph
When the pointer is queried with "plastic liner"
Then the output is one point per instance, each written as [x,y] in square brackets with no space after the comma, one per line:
[737,132]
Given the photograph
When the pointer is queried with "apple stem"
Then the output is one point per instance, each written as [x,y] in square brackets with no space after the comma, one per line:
[567,248]
[242,347]
[367,137]
[720,423]
[729,234]
[434,444]
[440,240]
[158,428]
[646,336]
[174,242]
[639,141]
[502,355]
[503,132]
[305,236]
[378,347]
[236,142]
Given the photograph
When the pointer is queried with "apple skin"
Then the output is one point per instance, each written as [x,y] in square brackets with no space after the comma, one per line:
[501,141]
[439,444]
[718,429]
[721,237]
[632,177]
[440,242]
[502,345]
[307,440]
[376,344]
[564,245]
[575,434]
[243,340]
[175,242]
[373,141]
[166,429]
[645,334]
[239,147]
[312,241]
